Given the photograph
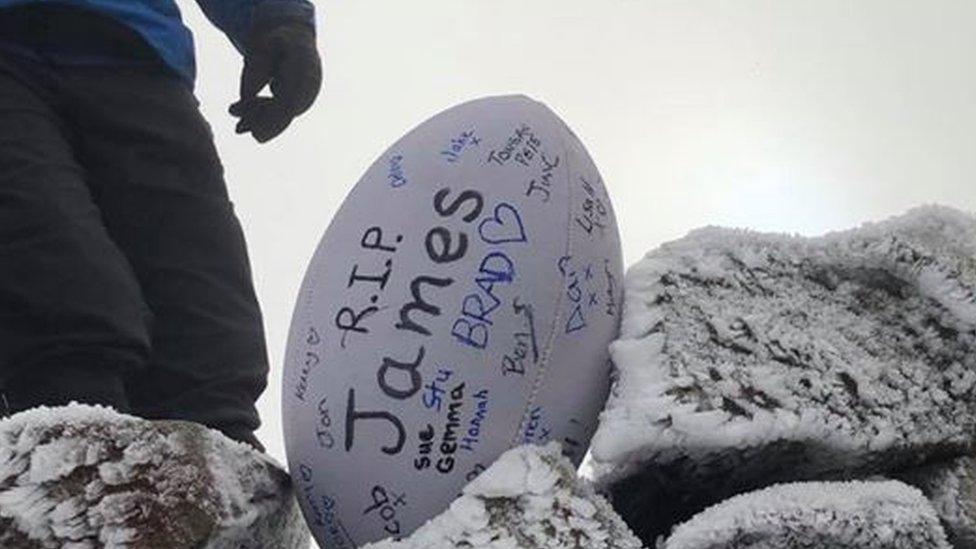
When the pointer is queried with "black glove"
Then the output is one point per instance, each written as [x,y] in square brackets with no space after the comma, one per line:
[284,55]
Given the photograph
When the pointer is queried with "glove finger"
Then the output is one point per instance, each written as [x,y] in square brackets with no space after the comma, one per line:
[264,119]
[237,109]
[243,126]
[250,112]
[242,107]
[269,122]
[271,130]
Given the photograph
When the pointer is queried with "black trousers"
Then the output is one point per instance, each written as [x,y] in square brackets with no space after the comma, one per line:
[124,275]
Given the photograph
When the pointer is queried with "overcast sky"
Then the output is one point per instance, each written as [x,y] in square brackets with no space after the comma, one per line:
[790,116]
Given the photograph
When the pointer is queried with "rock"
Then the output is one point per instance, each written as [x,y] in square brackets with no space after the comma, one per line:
[530,498]
[951,486]
[839,515]
[747,359]
[86,477]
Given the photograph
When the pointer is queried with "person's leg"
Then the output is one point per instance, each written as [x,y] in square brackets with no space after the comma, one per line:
[72,318]
[156,176]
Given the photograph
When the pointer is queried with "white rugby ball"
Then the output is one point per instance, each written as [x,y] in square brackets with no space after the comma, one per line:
[460,303]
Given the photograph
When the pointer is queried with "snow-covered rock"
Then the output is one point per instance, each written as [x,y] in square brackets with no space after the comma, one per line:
[838,515]
[86,477]
[747,359]
[530,498]
[951,486]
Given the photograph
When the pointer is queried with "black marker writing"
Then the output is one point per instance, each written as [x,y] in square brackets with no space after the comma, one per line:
[353,415]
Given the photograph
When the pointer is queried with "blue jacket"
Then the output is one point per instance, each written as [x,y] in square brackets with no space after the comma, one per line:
[159,22]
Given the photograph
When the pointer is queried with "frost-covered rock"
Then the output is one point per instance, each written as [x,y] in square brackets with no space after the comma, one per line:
[86,477]
[747,359]
[951,486]
[838,515]
[530,498]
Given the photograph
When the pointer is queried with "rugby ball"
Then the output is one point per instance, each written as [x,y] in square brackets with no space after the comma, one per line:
[460,303]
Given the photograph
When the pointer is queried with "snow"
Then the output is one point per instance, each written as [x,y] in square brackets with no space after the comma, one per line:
[85,476]
[747,358]
[854,515]
[529,498]
[951,486]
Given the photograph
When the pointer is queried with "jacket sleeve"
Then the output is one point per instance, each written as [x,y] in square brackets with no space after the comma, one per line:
[236,18]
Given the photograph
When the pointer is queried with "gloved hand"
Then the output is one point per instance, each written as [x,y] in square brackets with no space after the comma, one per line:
[284,55]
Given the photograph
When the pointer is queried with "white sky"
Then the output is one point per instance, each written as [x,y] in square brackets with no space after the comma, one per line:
[783,115]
